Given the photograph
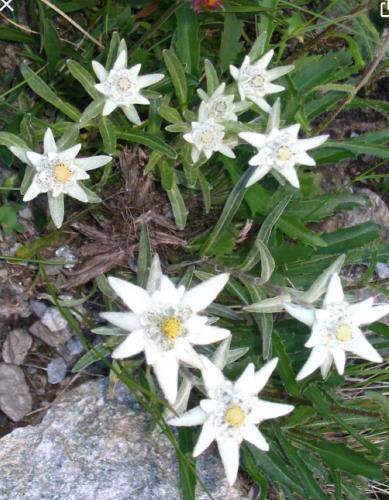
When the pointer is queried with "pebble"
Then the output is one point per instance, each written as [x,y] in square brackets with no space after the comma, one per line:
[56,370]
[15,397]
[66,253]
[54,320]
[382,270]
[16,346]
[38,308]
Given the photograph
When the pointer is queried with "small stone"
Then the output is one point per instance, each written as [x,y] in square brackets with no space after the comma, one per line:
[55,339]
[38,308]
[65,253]
[56,370]
[15,397]
[382,270]
[74,346]
[54,320]
[16,346]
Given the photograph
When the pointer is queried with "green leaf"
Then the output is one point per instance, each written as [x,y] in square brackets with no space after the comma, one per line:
[9,219]
[351,237]
[7,139]
[258,48]
[108,134]
[211,76]
[230,45]
[188,42]
[180,211]
[95,354]
[144,256]
[362,148]
[52,45]
[151,141]
[284,366]
[170,114]
[44,91]
[83,76]
[187,475]
[177,75]
[92,110]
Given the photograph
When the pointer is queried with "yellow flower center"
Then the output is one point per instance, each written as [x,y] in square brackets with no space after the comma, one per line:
[124,83]
[171,328]
[221,107]
[284,153]
[344,333]
[207,137]
[62,173]
[258,81]
[235,416]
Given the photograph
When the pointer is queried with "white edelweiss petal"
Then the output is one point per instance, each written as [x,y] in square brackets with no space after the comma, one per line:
[135,297]
[208,153]
[20,153]
[226,151]
[263,62]
[134,70]
[326,366]
[293,130]
[304,159]
[185,352]
[207,435]
[75,191]
[102,88]
[167,288]
[201,296]
[212,376]
[272,88]
[166,371]
[313,142]
[360,311]
[375,313]
[109,106]
[132,345]
[362,348]
[290,174]
[229,453]
[35,158]
[256,140]
[33,191]
[245,382]
[196,416]
[207,334]
[304,314]
[255,437]
[316,358]
[203,115]
[100,71]
[258,174]
[262,375]
[70,153]
[316,336]
[92,162]
[339,357]
[189,137]
[121,61]
[141,99]
[147,80]
[131,114]
[126,320]
[234,71]
[267,410]
[49,145]
[208,405]
[334,294]
[278,72]
[195,154]
[261,103]
[151,352]
[241,92]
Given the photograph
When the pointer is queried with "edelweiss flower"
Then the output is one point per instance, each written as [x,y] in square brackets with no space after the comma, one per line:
[281,150]
[165,324]
[335,330]
[232,412]
[207,137]
[255,81]
[122,86]
[58,173]
[218,106]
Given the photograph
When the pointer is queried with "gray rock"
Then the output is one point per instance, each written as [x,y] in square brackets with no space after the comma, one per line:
[54,320]
[16,346]
[15,397]
[56,370]
[38,308]
[382,270]
[54,339]
[89,448]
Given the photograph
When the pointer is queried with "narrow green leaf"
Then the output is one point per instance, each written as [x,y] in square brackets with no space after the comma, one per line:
[99,351]
[230,42]
[83,76]
[108,134]
[177,75]
[170,114]
[52,45]
[211,76]
[180,211]
[188,42]
[92,110]
[144,256]
[151,141]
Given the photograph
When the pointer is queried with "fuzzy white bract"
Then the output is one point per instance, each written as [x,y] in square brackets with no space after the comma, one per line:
[336,330]
[255,81]
[122,86]
[165,323]
[58,173]
[207,137]
[281,150]
[232,412]
[219,106]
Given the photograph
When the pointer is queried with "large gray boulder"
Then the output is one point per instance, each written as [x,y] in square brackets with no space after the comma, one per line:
[91,448]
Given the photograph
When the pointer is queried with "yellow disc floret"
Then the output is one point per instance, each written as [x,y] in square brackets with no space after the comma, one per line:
[207,137]
[284,153]
[258,81]
[62,173]
[171,327]
[344,333]
[235,416]
[124,83]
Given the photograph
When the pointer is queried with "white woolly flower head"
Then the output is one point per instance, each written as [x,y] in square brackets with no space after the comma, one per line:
[165,323]
[207,137]
[336,329]
[58,173]
[232,412]
[254,80]
[219,106]
[122,86]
